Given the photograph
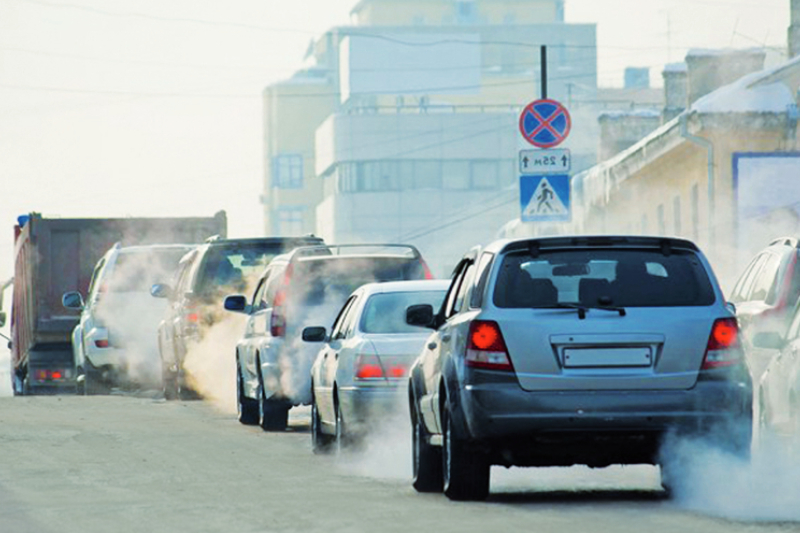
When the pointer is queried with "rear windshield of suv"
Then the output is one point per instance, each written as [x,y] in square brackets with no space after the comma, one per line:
[237,267]
[620,278]
[137,271]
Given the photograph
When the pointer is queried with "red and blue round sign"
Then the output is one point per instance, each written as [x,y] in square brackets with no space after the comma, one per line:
[545,123]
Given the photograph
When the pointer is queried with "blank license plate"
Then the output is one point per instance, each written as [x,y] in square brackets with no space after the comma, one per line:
[593,357]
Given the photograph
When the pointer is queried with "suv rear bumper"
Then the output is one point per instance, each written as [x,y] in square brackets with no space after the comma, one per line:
[504,416]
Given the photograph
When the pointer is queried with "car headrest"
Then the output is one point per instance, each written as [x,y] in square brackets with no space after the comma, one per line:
[590,290]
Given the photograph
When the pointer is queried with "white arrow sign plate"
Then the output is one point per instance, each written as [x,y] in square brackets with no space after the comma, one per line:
[536,162]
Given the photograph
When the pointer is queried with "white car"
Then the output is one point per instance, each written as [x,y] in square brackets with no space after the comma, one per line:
[363,364]
[115,342]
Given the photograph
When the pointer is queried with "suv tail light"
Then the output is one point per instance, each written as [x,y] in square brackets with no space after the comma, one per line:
[277,320]
[486,348]
[191,314]
[368,366]
[724,348]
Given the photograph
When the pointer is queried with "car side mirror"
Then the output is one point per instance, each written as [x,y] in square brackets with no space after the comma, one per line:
[768,339]
[420,315]
[161,290]
[236,304]
[72,300]
[314,334]
[731,307]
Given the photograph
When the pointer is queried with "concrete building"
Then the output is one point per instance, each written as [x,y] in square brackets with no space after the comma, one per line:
[404,125]
[724,173]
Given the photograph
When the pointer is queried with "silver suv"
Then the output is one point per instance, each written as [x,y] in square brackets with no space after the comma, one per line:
[563,351]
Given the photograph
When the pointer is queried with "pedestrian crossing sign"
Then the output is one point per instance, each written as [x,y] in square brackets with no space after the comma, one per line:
[545,198]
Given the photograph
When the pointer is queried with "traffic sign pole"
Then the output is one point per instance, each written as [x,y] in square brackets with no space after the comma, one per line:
[543,61]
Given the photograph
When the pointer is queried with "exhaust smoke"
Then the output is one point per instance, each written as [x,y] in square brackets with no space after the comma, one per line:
[710,481]
[210,365]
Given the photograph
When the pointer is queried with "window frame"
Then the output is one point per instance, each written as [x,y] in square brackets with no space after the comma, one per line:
[294,162]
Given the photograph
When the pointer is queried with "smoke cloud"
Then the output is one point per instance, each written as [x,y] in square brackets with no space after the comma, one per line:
[210,365]
[713,482]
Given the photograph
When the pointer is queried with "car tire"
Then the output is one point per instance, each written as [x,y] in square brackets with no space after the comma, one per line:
[341,439]
[93,385]
[465,472]
[426,460]
[273,415]
[320,442]
[247,408]
[171,389]
[80,384]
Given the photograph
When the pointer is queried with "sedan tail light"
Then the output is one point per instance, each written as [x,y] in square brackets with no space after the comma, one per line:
[724,348]
[486,348]
[368,366]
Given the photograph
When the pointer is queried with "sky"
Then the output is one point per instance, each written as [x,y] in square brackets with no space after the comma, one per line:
[152,107]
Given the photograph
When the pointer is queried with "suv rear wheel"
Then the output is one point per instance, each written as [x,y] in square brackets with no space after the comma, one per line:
[247,408]
[466,472]
[426,459]
[273,414]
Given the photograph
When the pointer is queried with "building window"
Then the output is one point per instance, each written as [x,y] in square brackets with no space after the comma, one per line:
[466,12]
[662,222]
[695,212]
[427,175]
[676,214]
[404,175]
[455,175]
[484,174]
[289,221]
[287,171]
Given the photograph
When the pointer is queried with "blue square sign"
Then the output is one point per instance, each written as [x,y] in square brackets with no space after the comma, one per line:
[545,198]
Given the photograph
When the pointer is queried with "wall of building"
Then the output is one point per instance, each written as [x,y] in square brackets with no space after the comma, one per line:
[453,12]
[443,224]
[291,111]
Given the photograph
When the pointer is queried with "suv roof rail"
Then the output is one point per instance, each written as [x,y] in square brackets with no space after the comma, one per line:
[337,249]
[214,238]
[786,241]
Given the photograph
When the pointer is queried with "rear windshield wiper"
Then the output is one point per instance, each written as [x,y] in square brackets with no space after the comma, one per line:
[582,309]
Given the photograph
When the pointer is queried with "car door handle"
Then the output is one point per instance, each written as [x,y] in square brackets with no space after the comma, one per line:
[336,356]
[431,345]
[446,338]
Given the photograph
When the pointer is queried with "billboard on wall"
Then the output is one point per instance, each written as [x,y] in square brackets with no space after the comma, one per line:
[766,189]
[410,64]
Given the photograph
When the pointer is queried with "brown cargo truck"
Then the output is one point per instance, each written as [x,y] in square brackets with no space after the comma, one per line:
[54,256]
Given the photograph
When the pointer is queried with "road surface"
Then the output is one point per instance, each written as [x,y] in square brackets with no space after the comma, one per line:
[129,464]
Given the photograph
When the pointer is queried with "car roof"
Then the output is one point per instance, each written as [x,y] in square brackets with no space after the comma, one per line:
[156,247]
[405,286]
[216,243]
[370,250]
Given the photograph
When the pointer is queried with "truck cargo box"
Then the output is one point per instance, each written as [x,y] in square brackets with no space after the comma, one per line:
[54,256]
